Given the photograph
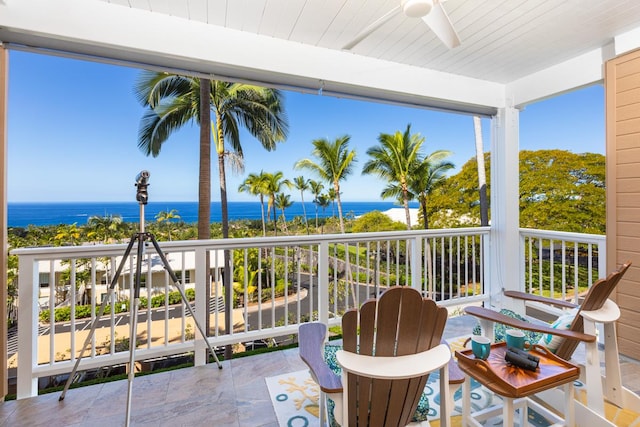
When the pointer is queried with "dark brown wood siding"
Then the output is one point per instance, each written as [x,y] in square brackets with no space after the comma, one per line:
[622,84]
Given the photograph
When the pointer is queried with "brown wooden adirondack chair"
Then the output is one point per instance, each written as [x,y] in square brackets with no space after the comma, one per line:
[596,308]
[390,346]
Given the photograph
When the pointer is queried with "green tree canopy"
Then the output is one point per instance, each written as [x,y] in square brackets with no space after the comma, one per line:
[376,221]
[559,190]
[563,191]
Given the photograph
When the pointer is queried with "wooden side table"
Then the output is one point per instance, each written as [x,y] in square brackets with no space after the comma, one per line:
[515,384]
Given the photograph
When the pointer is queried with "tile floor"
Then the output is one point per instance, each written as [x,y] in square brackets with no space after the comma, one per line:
[235,396]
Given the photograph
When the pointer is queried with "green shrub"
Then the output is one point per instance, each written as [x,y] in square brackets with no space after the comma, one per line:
[63,314]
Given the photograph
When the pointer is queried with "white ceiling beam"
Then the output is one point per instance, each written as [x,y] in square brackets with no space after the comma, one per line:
[627,41]
[578,72]
[101,29]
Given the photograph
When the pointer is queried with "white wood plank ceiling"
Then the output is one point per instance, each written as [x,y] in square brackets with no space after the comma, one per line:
[502,40]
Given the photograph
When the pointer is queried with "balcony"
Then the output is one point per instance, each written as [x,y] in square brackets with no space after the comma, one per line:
[236,395]
[447,265]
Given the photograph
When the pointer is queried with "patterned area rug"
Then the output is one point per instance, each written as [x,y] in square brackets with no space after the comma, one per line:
[295,399]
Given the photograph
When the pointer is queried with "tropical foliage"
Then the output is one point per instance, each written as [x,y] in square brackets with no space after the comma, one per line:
[395,159]
[173,101]
[409,175]
[559,190]
[334,162]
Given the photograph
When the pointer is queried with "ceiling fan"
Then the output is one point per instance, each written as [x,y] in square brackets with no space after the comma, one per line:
[431,12]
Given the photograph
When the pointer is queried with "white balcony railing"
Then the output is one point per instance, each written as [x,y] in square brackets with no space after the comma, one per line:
[560,265]
[276,286]
[278,283]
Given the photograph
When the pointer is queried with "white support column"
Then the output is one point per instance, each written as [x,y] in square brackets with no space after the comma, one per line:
[4,239]
[28,332]
[504,257]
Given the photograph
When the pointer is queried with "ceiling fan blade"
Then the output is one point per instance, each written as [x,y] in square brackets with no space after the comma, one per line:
[372,27]
[441,25]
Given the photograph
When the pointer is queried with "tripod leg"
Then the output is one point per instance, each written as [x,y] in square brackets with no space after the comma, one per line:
[178,285]
[134,325]
[132,352]
[114,282]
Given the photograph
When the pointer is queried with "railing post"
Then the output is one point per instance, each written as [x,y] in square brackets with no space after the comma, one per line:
[486,264]
[602,258]
[323,282]
[28,281]
[522,265]
[201,305]
[416,258]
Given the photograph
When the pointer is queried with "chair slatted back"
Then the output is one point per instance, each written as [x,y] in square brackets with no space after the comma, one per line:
[399,323]
[598,294]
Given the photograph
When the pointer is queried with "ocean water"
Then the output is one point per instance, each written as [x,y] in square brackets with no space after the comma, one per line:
[54,213]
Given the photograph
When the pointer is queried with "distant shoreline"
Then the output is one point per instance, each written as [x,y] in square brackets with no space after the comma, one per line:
[23,214]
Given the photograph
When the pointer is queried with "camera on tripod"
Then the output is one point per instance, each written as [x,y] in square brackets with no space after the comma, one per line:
[141,183]
[521,359]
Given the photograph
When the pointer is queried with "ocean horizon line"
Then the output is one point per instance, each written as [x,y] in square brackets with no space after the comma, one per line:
[176,201]
[23,214]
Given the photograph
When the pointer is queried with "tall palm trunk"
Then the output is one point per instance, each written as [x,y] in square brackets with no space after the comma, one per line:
[204,183]
[275,220]
[284,223]
[304,211]
[226,275]
[423,207]
[264,224]
[336,186]
[405,203]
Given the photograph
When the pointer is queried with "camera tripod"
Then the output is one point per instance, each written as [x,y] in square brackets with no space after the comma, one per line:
[140,238]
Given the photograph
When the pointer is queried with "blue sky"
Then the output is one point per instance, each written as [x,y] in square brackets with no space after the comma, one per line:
[73,129]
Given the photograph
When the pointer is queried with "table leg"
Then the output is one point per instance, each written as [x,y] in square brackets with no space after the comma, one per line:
[507,412]
[466,400]
[569,405]
[522,413]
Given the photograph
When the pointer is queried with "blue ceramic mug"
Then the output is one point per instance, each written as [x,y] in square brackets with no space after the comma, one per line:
[481,346]
[515,338]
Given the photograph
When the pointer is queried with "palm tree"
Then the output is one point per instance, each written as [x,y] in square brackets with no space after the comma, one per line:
[316,189]
[394,160]
[282,202]
[67,234]
[165,217]
[174,101]
[104,227]
[273,185]
[430,172]
[256,185]
[302,184]
[323,201]
[332,195]
[334,162]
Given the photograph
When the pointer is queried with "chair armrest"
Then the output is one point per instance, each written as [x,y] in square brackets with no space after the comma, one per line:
[485,313]
[549,301]
[311,342]
[395,367]
[609,312]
